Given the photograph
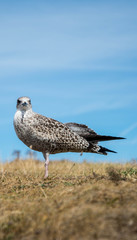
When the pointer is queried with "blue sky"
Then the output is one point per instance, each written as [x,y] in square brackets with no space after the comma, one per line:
[77,60]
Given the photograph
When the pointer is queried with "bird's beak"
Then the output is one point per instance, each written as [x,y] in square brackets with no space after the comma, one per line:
[24,104]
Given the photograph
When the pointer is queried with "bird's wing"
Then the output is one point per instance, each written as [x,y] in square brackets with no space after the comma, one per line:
[57,132]
[81,129]
[89,134]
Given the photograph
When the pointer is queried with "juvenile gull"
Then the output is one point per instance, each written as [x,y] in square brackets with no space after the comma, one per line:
[49,136]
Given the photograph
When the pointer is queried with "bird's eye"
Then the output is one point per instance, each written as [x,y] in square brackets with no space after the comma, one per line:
[18,102]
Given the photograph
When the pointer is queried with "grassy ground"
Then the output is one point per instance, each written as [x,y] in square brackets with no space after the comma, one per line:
[77,201]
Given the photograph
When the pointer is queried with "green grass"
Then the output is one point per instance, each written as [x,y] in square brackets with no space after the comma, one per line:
[77,201]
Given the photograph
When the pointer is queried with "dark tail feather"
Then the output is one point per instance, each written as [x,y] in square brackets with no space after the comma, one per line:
[104,151]
[100,138]
[95,148]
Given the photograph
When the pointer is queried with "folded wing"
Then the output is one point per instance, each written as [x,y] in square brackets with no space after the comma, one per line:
[92,137]
[89,134]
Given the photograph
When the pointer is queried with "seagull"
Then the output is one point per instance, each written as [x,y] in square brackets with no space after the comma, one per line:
[50,136]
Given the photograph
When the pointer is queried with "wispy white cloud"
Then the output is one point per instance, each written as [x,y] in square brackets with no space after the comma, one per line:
[88,37]
[38,39]
[91,108]
[129,129]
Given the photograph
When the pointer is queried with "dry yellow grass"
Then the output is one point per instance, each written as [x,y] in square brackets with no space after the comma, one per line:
[78,201]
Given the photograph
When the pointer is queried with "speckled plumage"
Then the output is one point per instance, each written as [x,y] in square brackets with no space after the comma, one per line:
[49,136]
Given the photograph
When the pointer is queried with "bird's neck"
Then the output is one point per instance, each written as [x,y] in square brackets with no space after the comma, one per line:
[24,113]
[28,111]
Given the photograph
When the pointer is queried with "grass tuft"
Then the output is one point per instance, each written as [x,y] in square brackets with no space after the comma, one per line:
[114,174]
[77,201]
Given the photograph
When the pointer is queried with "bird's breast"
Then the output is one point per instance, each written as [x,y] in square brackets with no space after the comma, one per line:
[21,125]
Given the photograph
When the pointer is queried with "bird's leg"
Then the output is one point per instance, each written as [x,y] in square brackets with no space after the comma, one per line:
[46,156]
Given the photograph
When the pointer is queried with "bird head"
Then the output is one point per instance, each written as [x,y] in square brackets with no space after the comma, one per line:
[24,104]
